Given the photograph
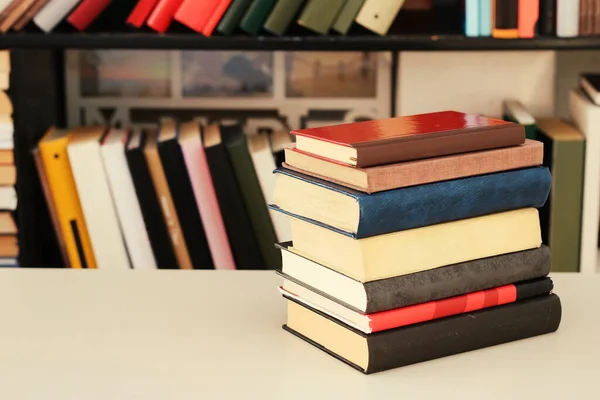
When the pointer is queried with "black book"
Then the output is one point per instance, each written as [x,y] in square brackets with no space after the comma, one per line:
[413,344]
[171,157]
[235,216]
[507,14]
[546,25]
[158,234]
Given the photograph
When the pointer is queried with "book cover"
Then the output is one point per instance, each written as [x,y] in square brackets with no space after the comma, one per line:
[282,15]
[547,18]
[53,151]
[247,180]
[418,313]
[472,18]
[161,17]
[419,172]
[485,18]
[564,146]
[390,140]
[567,18]
[506,19]
[216,17]
[233,16]
[235,216]
[86,12]
[528,16]
[53,13]
[378,16]
[318,16]
[346,16]
[422,342]
[410,207]
[141,12]
[182,193]
[195,14]
[256,15]
[158,232]
[421,287]
[29,14]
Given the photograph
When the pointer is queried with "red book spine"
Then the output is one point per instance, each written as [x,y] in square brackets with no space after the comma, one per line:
[215,18]
[528,16]
[443,308]
[141,12]
[195,13]
[163,13]
[86,13]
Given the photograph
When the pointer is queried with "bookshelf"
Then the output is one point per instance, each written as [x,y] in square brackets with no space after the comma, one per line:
[183,41]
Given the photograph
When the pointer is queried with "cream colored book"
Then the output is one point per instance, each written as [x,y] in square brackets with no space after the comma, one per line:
[378,15]
[420,249]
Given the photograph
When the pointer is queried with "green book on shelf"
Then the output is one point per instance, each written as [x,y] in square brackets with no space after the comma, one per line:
[560,218]
[319,15]
[514,111]
[252,196]
[233,16]
[346,17]
[282,15]
[257,14]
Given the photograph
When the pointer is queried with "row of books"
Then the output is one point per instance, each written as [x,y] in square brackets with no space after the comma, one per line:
[176,197]
[208,16]
[512,19]
[445,243]
[9,245]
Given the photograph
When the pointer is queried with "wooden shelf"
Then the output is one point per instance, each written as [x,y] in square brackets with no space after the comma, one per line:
[329,43]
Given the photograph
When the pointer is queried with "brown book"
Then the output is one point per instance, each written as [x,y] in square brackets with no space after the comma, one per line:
[166,200]
[585,26]
[8,175]
[6,107]
[7,224]
[17,9]
[28,16]
[9,246]
[411,173]
[7,157]
[391,140]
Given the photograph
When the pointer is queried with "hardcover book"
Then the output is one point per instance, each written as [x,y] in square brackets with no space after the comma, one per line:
[391,140]
[419,172]
[418,313]
[420,249]
[421,287]
[412,344]
[361,215]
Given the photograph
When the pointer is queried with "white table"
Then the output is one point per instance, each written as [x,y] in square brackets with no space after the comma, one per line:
[174,335]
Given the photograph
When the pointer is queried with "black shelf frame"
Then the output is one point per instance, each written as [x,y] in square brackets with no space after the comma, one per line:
[298,43]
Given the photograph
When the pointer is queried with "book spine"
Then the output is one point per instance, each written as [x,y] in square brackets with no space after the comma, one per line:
[567,18]
[439,202]
[53,14]
[456,279]
[346,17]
[503,324]
[233,16]
[506,19]
[282,15]
[216,16]
[547,18]
[163,14]
[378,16]
[485,18]
[86,13]
[256,16]
[318,16]
[528,17]
[195,14]
[141,12]
[472,18]
[28,16]
[15,14]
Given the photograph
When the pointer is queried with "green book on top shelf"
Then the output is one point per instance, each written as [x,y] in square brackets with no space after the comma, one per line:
[232,17]
[346,17]
[257,14]
[514,111]
[282,15]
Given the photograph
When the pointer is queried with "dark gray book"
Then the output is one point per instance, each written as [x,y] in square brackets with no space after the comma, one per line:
[420,287]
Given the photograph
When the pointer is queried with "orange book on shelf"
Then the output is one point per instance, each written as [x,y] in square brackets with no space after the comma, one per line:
[528,16]
[505,19]
[55,160]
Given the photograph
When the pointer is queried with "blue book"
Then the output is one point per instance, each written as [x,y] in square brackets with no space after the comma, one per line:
[485,17]
[362,215]
[472,18]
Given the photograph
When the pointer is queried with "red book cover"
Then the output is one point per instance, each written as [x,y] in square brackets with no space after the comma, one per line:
[215,18]
[528,16]
[86,12]
[163,13]
[195,13]
[141,12]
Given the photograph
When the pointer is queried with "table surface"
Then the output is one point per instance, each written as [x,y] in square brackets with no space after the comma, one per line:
[149,335]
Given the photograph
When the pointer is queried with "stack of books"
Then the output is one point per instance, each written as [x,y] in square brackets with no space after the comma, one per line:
[415,238]
[9,247]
